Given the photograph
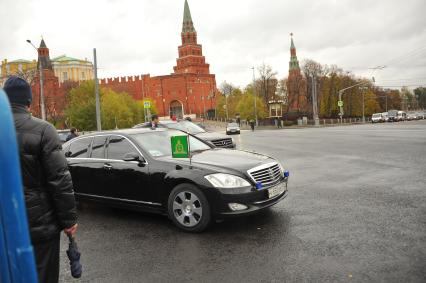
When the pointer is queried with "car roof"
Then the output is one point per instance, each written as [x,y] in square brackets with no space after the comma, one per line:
[127,131]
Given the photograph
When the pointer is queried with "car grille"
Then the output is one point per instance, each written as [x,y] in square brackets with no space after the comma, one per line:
[268,174]
[223,143]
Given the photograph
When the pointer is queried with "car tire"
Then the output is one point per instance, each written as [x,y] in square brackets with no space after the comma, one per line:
[189,208]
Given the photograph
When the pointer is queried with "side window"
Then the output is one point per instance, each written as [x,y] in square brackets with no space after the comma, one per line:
[79,148]
[98,147]
[118,147]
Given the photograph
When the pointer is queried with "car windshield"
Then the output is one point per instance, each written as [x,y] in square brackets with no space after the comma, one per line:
[63,136]
[376,115]
[232,125]
[186,126]
[158,143]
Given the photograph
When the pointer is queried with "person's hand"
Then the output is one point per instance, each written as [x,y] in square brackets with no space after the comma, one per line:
[71,230]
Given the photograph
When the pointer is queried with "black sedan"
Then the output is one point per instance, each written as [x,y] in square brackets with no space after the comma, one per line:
[218,140]
[134,169]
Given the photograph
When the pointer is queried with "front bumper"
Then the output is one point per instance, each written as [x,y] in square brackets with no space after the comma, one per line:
[255,201]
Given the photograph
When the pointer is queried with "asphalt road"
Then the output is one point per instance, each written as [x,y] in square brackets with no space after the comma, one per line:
[356,211]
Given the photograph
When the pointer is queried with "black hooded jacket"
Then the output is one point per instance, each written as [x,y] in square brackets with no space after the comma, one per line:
[47,183]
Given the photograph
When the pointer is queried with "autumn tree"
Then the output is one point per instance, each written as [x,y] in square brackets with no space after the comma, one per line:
[371,104]
[312,69]
[228,100]
[266,83]
[407,98]
[420,94]
[118,110]
[245,105]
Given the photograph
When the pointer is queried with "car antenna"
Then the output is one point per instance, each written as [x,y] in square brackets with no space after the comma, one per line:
[189,150]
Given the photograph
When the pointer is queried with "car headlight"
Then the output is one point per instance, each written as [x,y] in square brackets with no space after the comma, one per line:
[221,180]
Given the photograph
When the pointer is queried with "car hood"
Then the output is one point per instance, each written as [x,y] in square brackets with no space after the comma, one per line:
[224,160]
[210,136]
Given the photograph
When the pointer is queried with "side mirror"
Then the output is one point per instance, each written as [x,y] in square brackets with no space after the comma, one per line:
[133,156]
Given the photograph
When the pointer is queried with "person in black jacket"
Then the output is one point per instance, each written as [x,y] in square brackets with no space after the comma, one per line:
[47,184]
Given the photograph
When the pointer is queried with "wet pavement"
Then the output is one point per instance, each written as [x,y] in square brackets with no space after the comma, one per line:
[356,212]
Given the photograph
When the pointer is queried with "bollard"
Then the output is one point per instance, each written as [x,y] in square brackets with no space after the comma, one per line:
[17,264]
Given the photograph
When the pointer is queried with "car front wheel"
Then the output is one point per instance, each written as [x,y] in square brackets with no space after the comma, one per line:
[188,208]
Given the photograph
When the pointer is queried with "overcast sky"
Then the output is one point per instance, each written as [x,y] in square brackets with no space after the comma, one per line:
[138,37]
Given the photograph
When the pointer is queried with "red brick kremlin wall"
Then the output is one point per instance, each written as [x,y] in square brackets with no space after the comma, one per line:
[195,93]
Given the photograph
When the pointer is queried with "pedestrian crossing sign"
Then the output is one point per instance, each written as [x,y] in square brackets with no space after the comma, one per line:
[147,104]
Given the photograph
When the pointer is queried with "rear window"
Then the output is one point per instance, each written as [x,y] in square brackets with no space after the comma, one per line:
[79,148]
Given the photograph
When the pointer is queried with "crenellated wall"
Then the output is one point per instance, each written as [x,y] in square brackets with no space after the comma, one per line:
[133,85]
[196,93]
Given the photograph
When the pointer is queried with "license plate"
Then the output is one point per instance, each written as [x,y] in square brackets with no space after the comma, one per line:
[275,191]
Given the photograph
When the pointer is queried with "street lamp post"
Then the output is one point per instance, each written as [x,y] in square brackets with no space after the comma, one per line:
[386,96]
[363,89]
[97,99]
[314,101]
[254,93]
[363,107]
[226,104]
[42,107]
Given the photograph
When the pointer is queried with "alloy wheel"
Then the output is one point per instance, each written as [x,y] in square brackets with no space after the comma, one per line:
[187,209]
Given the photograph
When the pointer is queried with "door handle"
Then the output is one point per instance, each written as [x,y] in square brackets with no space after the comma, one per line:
[108,166]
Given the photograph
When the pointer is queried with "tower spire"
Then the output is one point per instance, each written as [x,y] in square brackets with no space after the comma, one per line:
[292,43]
[188,25]
[42,43]
[43,56]
[294,63]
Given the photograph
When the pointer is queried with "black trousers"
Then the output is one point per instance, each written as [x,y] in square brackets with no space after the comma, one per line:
[47,260]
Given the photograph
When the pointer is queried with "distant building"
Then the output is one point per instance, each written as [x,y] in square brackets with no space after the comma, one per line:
[65,68]
[20,66]
[189,91]
[72,69]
